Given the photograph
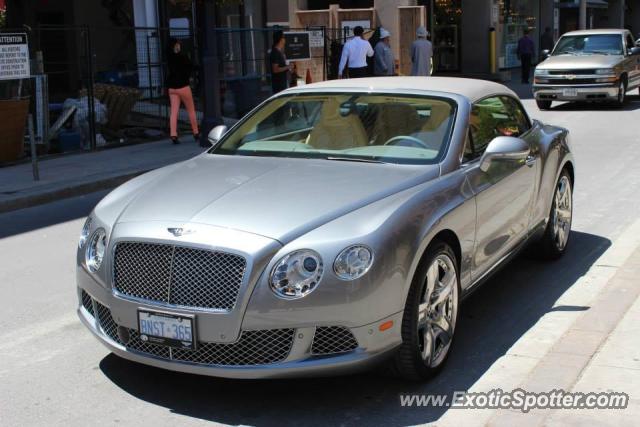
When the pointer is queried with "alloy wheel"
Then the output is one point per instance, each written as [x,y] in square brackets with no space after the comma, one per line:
[562,213]
[437,312]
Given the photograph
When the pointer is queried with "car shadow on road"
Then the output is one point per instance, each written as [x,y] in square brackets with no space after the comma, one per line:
[493,319]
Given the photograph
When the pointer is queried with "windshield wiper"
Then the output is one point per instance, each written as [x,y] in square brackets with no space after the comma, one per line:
[353,159]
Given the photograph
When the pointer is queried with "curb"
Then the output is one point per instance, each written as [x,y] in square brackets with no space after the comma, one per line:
[53,195]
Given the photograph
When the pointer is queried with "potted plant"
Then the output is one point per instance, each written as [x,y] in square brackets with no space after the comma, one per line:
[14,109]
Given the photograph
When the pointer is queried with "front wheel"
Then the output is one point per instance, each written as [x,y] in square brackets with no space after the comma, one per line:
[622,93]
[556,236]
[543,104]
[430,315]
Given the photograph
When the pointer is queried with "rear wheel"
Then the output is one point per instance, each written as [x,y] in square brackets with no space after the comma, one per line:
[430,316]
[556,235]
[543,104]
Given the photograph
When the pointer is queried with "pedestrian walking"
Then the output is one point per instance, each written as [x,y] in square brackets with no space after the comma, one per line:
[384,62]
[178,81]
[354,54]
[279,68]
[525,53]
[421,54]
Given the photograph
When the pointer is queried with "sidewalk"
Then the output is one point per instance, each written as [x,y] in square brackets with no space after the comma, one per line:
[596,351]
[82,173]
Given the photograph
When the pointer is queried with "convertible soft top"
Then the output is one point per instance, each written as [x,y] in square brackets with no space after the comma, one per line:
[472,89]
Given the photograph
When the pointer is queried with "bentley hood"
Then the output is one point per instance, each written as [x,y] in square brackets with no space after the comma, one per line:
[279,198]
[577,62]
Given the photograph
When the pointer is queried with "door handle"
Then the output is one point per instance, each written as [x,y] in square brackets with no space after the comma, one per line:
[531,160]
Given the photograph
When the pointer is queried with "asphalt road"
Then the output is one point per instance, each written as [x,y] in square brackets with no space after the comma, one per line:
[53,372]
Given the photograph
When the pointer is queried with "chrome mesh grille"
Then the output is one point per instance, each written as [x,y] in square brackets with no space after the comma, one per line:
[253,348]
[333,340]
[87,303]
[177,275]
[107,324]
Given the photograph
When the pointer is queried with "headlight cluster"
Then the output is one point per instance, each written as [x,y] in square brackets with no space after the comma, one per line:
[94,245]
[94,254]
[353,262]
[297,274]
[84,234]
[541,72]
[605,71]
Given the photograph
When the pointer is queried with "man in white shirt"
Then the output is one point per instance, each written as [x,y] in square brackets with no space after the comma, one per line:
[355,53]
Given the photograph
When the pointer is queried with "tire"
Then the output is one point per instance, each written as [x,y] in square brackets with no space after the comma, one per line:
[543,104]
[622,93]
[553,243]
[424,316]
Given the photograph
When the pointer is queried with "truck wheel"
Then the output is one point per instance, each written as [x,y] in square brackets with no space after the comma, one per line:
[622,93]
[543,105]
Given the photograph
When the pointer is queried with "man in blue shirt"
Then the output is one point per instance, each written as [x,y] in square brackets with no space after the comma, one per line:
[525,53]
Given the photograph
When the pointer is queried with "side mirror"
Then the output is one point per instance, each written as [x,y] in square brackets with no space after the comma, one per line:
[504,148]
[634,50]
[216,133]
[545,53]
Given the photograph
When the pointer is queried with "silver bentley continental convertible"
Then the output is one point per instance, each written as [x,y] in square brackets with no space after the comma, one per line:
[336,226]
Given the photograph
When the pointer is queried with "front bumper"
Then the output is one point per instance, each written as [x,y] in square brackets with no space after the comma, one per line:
[297,359]
[591,92]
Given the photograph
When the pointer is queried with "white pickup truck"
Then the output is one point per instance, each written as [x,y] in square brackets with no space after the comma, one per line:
[589,65]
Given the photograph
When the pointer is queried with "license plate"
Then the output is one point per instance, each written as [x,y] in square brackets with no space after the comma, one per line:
[166,329]
[570,92]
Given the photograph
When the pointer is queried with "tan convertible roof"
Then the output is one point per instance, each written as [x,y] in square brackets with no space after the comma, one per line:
[470,88]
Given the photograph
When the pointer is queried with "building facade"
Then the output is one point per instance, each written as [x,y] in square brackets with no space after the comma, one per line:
[461,30]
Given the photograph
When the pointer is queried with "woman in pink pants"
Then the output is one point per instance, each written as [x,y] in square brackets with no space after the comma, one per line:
[180,68]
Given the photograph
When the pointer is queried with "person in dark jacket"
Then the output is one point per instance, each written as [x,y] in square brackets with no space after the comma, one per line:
[525,54]
[178,79]
[279,68]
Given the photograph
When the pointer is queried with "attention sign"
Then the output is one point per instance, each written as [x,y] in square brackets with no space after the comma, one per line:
[14,57]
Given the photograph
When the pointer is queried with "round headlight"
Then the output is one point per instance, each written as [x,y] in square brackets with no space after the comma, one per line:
[84,234]
[353,262]
[297,274]
[95,250]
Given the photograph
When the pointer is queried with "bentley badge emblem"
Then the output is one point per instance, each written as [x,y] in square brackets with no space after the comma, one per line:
[178,232]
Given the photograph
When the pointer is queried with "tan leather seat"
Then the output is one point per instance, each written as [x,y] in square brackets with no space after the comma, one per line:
[334,132]
[395,119]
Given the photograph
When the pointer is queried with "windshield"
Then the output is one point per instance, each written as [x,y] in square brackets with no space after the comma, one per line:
[605,44]
[350,127]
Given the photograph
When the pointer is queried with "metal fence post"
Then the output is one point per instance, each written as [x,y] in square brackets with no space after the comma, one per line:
[90,93]
[34,152]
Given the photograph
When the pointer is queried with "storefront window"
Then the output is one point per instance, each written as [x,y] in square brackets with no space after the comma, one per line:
[515,17]
[446,34]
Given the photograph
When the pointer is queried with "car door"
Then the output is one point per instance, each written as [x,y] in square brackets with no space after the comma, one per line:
[631,62]
[503,193]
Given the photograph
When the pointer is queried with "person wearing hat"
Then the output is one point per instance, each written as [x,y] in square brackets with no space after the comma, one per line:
[384,64]
[421,53]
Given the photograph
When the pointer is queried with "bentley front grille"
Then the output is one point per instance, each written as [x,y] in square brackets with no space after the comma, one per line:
[261,347]
[177,275]
[333,340]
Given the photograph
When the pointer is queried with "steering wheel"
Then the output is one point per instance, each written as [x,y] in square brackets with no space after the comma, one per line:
[411,139]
